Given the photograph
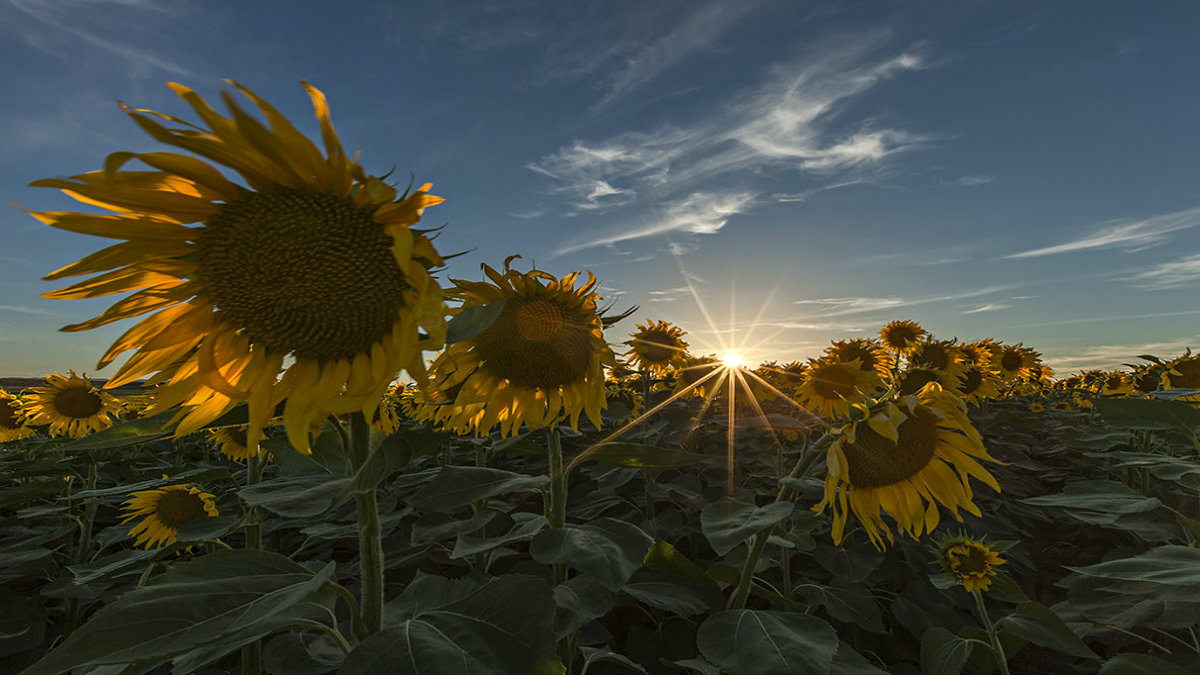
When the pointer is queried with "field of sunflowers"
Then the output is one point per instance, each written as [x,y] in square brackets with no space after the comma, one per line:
[256,490]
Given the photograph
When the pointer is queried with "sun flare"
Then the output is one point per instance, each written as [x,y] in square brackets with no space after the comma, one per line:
[733,360]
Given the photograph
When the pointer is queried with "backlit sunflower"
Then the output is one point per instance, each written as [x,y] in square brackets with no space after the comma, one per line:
[541,359]
[870,354]
[901,334]
[387,413]
[657,346]
[904,461]
[914,378]
[972,561]
[830,387]
[977,353]
[1183,372]
[1146,379]
[11,426]
[312,262]
[976,384]
[70,405]
[694,369]
[1012,361]
[166,509]
[1116,383]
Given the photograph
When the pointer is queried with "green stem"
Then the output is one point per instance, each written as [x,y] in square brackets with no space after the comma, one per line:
[252,652]
[556,516]
[356,624]
[370,541]
[786,493]
[84,549]
[993,636]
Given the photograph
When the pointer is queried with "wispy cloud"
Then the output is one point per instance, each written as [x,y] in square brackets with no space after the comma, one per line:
[990,307]
[1130,235]
[1182,272]
[973,181]
[843,306]
[24,309]
[1113,357]
[792,122]
[846,305]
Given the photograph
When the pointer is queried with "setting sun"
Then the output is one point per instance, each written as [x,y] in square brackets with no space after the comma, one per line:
[733,360]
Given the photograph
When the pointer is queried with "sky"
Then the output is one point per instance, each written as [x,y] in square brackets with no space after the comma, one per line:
[770,175]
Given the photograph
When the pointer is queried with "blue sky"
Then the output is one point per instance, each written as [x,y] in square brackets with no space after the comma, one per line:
[808,171]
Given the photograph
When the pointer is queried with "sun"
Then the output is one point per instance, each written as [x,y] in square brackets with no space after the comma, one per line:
[733,360]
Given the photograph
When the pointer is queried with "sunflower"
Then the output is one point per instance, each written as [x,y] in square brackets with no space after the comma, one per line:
[232,442]
[12,428]
[541,359]
[694,369]
[1183,372]
[657,346]
[1037,407]
[901,334]
[977,353]
[167,509]
[1013,361]
[976,384]
[1146,379]
[314,263]
[903,461]
[870,354]
[830,387]
[1116,383]
[70,405]
[972,561]
[387,413]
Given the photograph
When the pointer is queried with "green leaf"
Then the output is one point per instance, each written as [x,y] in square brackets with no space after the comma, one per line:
[1097,502]
[124,434]
[596,654]
[667,594]
[1170,573]
[393,454]
[524,531]
[580,599]
[1039,624]
[194,604]
[457,486]
[297,654]
[1148,413]
[208,529]
[301,496]
[435,527]
[503,627]
[608,550]
[641,456]
[727,523]
[327,456]
[124,562]
[943,652]
[748,641]
[471,321]
[851,603]
[1142,664]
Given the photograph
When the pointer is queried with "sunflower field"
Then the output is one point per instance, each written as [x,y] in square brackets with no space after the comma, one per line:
[324,456]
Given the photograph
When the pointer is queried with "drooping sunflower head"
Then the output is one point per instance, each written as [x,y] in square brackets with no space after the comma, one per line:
[1146,379]
[657,346]
[542,357]
[901,334]
[903,461]
[972,561]
[70,405]
[311,261]
[232,442]
[1182,372]
[830,387]
[12,427]
[870,355]
[166,509]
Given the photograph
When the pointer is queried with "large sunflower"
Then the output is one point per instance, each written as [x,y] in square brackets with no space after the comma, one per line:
[901,334]
[70,405]
[657,346]
[870,354]
[12,427]
[314,263]
[976,384]
[167,509]
[830,387]
[903,461]
[541,359]
[1012,361]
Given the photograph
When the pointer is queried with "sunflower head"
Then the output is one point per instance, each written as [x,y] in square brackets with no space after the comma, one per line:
[1012,361]
[657,346]
[971,561]
[232,442]
[166,509]
[308,260]
[871,355]
[976,383]
[695,369]
[1182,372]
[1037,407]
[830,387]
[542,357]
[70,405]
[905,460]
[1146,379]
[901,334]
[12,427]
[977,353]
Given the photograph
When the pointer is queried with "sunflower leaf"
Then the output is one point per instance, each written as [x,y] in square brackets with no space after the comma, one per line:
[196,603]
[608,550]
[454,487]
[1039,624]
[727,523]
[750,641]
[641,456]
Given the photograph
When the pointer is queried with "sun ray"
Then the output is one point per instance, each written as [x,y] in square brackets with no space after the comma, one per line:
[740,374]
[782,395]
[687,279]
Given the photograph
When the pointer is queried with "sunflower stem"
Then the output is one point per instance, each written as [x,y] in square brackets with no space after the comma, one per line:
[993,635]
[556,516]
[370,541]
[84,550]
[254,473]
[742,592]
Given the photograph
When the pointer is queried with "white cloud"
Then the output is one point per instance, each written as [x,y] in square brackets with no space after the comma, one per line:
[698,213]
[1182,272]
[845,305]
[990,307]
[1114,357]
[1124,234]
[973,181]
